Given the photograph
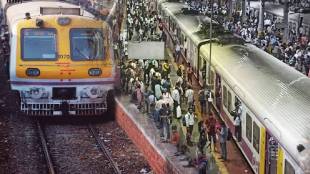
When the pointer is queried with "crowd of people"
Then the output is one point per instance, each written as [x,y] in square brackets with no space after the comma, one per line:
[171,104]
[295,52]
[143,23]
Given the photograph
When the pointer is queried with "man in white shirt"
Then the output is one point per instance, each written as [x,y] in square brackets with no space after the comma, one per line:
[177,52]
[237,124]
[158,106]
[190,121]
[189,94]
[176,95]
[176,99]
[158,92]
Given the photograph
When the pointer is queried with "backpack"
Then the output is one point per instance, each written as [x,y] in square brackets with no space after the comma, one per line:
[229,135]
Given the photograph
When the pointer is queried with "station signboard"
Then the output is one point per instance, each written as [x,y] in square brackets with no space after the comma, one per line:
[146,50]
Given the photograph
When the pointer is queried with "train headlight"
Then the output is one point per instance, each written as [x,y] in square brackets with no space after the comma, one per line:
[35,93]
[92,92]
[32,72]
[63,21]
[94,72]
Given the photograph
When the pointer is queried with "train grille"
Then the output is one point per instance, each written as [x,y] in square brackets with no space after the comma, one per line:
[74,109]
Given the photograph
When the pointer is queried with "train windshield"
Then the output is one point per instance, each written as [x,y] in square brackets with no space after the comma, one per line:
[86,44]
[38,44]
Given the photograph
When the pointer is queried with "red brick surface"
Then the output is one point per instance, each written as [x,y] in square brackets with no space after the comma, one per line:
[156,161]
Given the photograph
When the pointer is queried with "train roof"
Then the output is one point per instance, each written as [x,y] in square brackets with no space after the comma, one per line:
[276,93]
[16,12]
[196,27]
[189,24]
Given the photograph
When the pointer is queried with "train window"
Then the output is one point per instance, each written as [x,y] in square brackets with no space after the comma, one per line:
[86,44]
[229,101]
[225,96]
[289,169]
[38,44]
[248,127]
[256,136]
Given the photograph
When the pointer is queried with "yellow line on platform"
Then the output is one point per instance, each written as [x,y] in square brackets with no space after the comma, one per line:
[219,163]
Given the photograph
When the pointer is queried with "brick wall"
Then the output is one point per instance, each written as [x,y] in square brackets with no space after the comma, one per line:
[156,161]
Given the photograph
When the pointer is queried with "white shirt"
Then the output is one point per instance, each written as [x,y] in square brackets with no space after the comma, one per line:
[189,119]
[152,99]
[177,48]
[158,92]
[179,112]
[158,104]
[151,72]
[176,96]
[237,121]
[190,95]
[180,80]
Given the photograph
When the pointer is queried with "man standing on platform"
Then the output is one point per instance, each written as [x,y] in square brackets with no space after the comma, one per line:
[190,121]
[223,132]
[189,73]
[202,101]
[211,122]
[176,99]
[189,94]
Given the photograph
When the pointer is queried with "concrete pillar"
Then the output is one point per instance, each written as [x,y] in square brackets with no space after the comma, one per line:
[285,18]
[243,15]
[230,8]
[260,28]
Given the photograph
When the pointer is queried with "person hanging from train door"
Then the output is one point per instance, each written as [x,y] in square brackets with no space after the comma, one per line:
[237,118]
[237,124]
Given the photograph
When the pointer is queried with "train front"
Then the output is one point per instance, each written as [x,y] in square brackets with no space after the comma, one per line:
[61,64]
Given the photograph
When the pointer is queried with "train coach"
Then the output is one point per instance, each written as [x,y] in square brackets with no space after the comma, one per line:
[61,59]
[275,99]
[275,104]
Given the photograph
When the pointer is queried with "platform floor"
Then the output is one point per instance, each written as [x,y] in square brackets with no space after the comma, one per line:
[145,123]
[236,163]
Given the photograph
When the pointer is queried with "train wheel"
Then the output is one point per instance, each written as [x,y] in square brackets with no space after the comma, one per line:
[110,105]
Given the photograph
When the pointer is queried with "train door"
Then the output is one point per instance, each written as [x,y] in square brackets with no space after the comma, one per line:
[218,91]
[272,147]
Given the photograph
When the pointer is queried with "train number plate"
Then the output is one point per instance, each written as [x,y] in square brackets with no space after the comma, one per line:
[72,112]
[57,113]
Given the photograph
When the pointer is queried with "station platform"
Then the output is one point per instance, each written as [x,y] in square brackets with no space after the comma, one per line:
[161,156]
[146,136]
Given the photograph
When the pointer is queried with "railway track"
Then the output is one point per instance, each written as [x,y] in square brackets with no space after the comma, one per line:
[103,148]
[67,158]
[48,158]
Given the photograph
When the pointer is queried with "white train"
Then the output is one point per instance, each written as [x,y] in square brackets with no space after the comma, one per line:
[275,98]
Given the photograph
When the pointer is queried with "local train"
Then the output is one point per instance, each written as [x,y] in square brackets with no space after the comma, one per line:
[61,59]
[275,98]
